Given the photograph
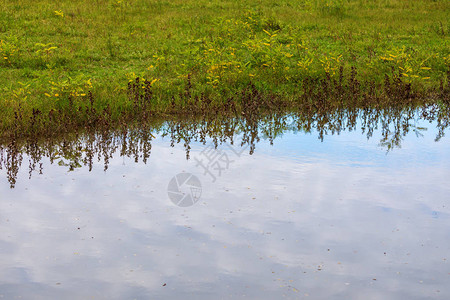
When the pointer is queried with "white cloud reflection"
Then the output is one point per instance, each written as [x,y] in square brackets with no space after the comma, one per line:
[339,219]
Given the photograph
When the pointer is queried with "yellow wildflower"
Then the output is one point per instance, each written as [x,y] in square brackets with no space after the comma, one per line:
[59,13]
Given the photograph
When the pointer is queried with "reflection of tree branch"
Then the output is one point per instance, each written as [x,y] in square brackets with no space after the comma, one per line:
[83,148]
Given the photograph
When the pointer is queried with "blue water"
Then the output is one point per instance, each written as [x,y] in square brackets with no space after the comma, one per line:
[304,218]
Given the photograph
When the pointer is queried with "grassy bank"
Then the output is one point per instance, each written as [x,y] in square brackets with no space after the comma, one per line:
[78,59]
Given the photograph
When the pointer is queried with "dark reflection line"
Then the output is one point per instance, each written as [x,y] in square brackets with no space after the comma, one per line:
[75,150]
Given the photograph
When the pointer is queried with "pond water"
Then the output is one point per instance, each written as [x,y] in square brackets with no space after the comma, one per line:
[350,206]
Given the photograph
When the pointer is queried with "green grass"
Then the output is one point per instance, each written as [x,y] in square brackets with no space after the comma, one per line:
[53,50]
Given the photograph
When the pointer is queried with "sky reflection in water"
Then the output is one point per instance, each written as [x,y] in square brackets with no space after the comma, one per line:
[338,219]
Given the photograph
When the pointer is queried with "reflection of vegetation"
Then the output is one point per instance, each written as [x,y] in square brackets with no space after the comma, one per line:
[80,148]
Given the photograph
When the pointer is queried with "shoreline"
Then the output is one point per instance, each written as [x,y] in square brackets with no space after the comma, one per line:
[76,61]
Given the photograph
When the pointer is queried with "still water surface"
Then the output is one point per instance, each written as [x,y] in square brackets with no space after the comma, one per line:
[294,216]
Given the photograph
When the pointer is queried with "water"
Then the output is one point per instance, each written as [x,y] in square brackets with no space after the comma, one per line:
[296,211]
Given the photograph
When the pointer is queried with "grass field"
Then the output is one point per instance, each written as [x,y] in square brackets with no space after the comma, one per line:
[80,55]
